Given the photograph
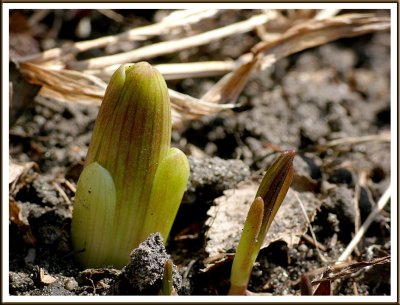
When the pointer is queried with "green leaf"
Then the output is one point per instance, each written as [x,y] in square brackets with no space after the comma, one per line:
[166,285]
[93,216]
[270,194]
[131,140]
[273,189]
[166,195]
[246,253]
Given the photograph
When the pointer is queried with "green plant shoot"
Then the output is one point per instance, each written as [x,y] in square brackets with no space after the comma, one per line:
[270,194]
[133,181]
[167,287]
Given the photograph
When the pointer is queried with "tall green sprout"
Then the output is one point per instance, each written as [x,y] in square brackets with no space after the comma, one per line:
[270,194]
[133,181]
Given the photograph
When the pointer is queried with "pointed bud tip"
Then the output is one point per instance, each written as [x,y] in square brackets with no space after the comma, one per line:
[142,67]
[291,153]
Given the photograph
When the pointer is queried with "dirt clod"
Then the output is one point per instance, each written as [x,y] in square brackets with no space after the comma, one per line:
[144,272]
[214,174]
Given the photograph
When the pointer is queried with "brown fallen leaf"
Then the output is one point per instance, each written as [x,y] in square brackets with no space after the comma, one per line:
[228,214]
[16,170]
[20,175]
[21,222]
[45,278]
[15,214]
[304,183]
[324,288]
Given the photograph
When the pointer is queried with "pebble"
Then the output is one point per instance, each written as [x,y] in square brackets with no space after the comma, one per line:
[303,248]
[71,285]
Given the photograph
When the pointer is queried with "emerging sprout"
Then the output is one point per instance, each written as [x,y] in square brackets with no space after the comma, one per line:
[166,285]
[270,194]
[133,182]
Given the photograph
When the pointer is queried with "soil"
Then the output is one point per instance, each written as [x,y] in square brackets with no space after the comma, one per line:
[341,89]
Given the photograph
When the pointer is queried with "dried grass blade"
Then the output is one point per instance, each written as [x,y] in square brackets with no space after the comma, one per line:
[326,13]
[316,32]
[383,137]
[167,47]
[351,268]
[231,85]
[74,86]
[178,70]
[62,85]
[305,35]
[141,33]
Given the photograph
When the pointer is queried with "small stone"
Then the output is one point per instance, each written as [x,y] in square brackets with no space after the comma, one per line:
[310,253]
[71,285]
[303,248]
[333,221]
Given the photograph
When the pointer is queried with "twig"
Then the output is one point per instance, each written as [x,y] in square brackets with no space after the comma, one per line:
[70,186]
[61,191]
[314,242]
[323,259]
[380,205]
[355,288]
[356,199]
[357,219]
[344,269]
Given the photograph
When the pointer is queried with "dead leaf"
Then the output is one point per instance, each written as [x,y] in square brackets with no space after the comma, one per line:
[45,278]
[20,175]
[324,288]
[231,85]
[304,183]
[228,214]
[15,214]
[305,285]
[21,222]
[16,170]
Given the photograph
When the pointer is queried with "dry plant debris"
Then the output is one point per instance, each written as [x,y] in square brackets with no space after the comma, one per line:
[69,80]
[343,269]
[344,158]
[227,216]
